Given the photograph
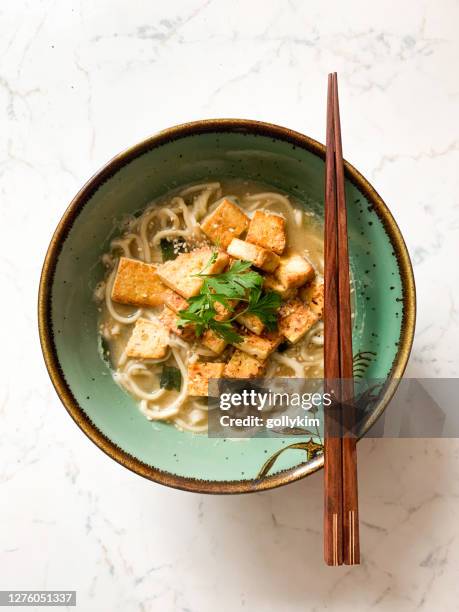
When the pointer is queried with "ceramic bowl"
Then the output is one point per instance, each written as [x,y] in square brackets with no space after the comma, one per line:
[196,152]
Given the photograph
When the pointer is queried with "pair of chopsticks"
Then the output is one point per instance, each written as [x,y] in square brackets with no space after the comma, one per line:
[341,520]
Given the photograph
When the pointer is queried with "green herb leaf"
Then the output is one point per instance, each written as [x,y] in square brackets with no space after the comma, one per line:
[171,248]
[104,349]
[265,306]
[225,330]
[171,378]
[235,283]
[240,283]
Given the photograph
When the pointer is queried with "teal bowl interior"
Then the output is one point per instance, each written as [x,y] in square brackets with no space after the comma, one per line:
[188,154]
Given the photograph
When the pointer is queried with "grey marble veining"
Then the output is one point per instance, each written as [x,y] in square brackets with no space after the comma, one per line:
[80,81]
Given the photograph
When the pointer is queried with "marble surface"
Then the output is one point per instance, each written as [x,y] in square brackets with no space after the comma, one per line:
[80,81]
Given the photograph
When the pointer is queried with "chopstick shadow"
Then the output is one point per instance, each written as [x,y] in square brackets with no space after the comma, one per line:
[274,540]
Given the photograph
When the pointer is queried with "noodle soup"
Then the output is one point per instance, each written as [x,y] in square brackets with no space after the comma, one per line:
[166,268]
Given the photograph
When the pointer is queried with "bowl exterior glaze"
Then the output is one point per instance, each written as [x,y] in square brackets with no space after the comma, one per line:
[196,152]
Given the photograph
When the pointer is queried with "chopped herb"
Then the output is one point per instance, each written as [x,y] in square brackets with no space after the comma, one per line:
[265,306]
[233,284]
[171,248]
[171,378]
[240,284]
[104,349]
[201,314]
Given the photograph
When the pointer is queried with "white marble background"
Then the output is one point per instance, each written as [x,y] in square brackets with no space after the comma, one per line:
[80,81]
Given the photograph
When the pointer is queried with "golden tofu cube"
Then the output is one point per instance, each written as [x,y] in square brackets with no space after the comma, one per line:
[295,319]
[270,283]
[199,375]
[268,231]
[226,222]
[258,256]
[149,340]
[224,313]
[213,341]
[174,301]
[252,322]
[313,296]
[260,347]
[242,365]
[180,274]
[170,319]
[137,283]
[294,271]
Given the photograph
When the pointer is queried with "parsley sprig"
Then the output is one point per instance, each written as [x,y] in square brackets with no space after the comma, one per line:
[240,284]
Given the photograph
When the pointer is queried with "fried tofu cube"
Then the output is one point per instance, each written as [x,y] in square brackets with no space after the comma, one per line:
[174,301]
[149,340]
[242,365]
[170,320]
[268,231]
[223,312]
[313,296]
[294,271]
[271,283]
[199,375]
[226,222]
[179,274]
[295,319]
[252,322]
[213,341]
[137,283]
[260,347]
[258,256]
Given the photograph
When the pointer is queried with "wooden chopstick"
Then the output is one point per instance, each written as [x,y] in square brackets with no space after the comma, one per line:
[341,521]
[333,485]
[351,542]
